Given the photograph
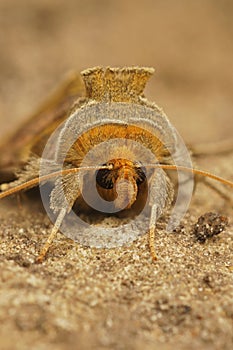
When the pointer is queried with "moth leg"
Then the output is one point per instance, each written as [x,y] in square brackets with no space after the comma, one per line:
[213,186]
[218,190]
[52,235]
[212,149]
[62,198]
[161,194]
[153,218]
[19,197]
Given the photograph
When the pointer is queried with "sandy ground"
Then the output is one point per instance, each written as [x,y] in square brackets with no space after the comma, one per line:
[82,298]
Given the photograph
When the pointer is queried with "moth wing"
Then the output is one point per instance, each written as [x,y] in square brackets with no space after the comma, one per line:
[31,137]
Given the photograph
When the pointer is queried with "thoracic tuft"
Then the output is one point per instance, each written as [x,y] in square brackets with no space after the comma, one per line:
[116,84]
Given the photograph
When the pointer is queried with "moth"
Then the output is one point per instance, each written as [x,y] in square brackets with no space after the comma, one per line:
[105,150]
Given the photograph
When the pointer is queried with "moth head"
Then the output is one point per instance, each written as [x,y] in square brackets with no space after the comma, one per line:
[121,181]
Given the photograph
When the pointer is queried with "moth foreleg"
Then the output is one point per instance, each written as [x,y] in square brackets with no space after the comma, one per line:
[161,194]
[52,235]
[62,198]
[153,218]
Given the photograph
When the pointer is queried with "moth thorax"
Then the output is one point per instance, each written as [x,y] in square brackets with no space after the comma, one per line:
[126,189]
[116,84]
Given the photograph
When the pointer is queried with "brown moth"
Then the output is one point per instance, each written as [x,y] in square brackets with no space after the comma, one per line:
[101,124]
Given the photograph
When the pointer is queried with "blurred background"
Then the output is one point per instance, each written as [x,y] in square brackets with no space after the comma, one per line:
[189,43]
[115,298]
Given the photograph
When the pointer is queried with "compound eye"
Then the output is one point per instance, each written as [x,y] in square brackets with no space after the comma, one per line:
[104,178]
[141,175]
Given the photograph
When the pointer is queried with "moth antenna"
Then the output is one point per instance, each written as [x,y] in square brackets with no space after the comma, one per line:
[36,181]
[29,184]
[191,170]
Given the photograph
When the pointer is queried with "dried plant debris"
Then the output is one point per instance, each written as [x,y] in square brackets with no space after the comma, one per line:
[209,225]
